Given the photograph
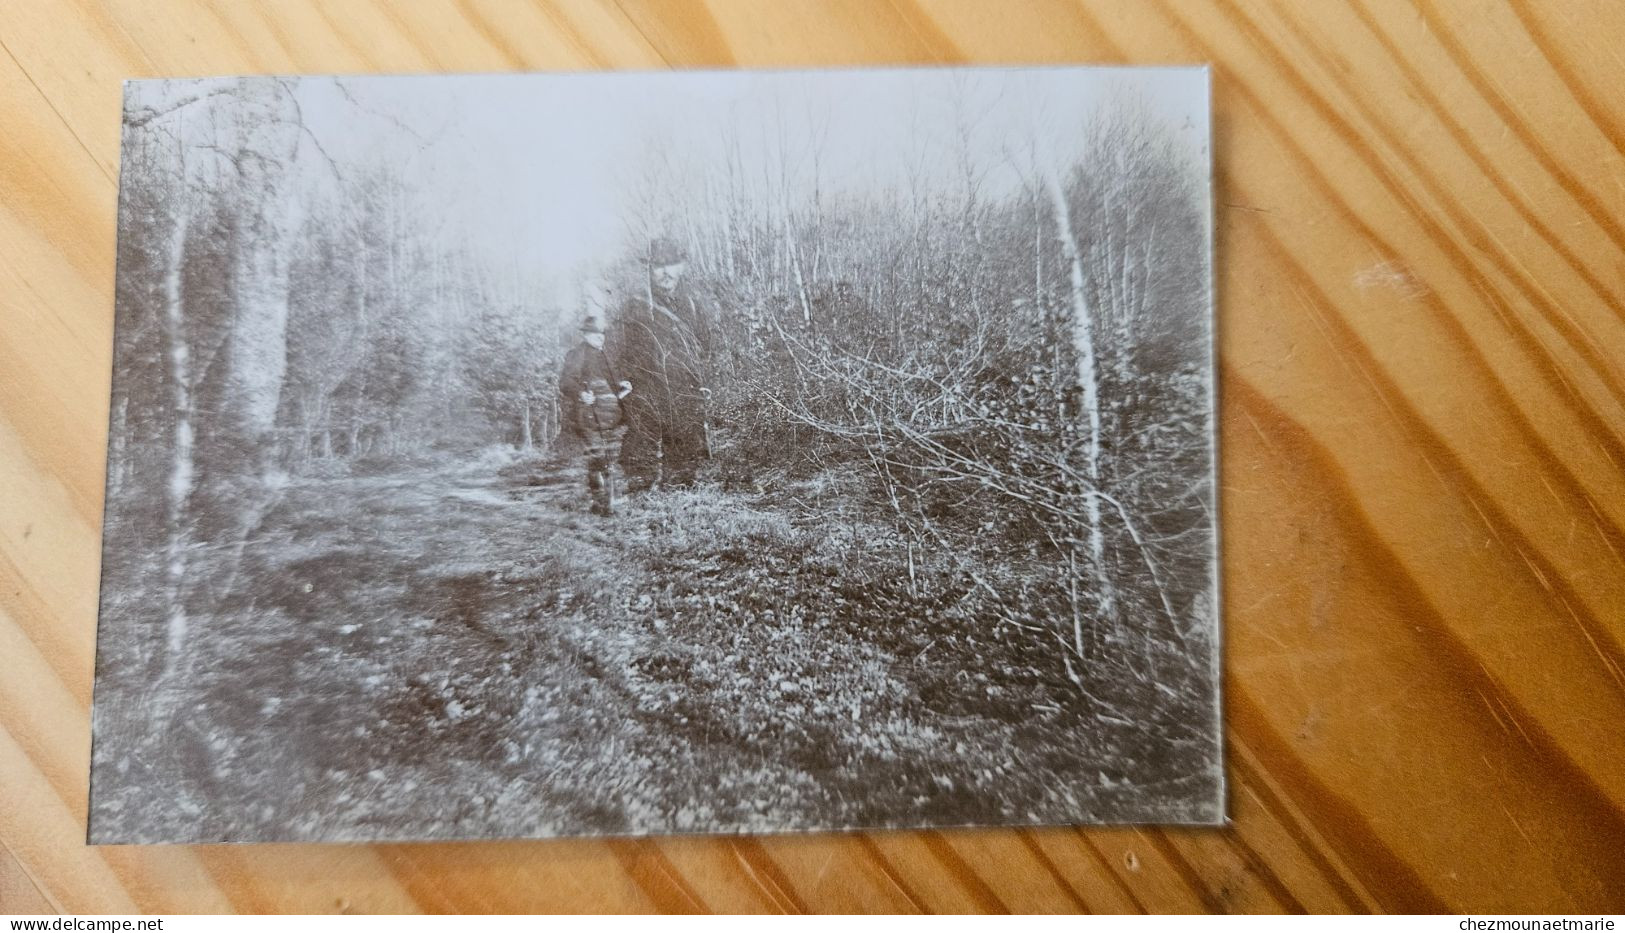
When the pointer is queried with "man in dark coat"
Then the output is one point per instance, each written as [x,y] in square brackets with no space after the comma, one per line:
[661,341]
[590,403]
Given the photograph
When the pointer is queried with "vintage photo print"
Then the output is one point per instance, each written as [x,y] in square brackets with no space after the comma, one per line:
[536,455]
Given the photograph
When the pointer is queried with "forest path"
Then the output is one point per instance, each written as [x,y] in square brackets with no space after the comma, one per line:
[664,651]
[469,642]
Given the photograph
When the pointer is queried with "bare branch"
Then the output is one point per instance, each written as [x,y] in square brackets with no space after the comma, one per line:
[145,115]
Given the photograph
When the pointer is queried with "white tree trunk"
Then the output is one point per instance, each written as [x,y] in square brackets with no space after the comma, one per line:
[258,358]
[118,442]
[1083,338]
[181,466]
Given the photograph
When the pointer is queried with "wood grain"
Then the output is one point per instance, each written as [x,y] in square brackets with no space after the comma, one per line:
[1421,245]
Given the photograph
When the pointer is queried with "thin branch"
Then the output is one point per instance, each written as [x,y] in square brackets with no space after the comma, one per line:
[145,115]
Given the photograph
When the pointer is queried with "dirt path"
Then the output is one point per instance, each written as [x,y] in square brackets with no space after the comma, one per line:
[470,646]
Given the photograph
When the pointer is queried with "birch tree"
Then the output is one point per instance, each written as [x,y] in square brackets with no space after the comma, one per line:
[224,301]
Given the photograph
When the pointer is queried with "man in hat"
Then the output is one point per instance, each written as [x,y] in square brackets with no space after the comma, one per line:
[662,342]
[590,403]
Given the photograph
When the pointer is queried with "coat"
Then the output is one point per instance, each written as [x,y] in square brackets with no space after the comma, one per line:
[589,369]
[663,346]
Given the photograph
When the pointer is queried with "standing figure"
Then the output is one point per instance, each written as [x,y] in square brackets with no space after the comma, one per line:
[662,343]
[590,399]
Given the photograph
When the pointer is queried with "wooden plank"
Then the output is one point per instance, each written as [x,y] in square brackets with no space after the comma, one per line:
[18,893]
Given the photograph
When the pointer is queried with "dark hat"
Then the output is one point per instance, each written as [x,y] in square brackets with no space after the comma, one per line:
[664,251]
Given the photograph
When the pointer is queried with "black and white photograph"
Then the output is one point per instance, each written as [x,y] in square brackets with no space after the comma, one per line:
[693,452]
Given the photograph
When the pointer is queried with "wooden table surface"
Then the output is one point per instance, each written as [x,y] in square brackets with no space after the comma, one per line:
[1420,222]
